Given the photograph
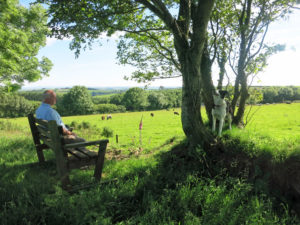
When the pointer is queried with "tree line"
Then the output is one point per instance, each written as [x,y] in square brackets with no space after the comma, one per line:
[79,101]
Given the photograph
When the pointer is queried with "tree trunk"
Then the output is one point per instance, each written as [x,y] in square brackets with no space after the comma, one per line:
[236,95]
[207,84]
[221,63]
[189,51]
[241,79]
[239,118]
[192,122]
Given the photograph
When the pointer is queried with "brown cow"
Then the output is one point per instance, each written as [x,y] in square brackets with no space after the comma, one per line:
[103,117]
[152,114]
[176,113]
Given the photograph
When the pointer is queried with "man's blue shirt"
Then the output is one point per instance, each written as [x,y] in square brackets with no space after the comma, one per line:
[45,112]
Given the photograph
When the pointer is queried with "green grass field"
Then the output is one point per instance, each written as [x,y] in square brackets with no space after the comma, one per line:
[152,186]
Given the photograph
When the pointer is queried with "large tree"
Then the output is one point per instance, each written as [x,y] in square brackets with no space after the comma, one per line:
[22,33]
[185,21]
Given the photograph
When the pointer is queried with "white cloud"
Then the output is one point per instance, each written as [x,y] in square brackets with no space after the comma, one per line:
[50,41]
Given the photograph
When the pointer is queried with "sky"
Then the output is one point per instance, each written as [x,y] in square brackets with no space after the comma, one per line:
[98,67]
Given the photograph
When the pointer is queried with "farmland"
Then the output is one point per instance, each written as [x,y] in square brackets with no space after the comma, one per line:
[152,186]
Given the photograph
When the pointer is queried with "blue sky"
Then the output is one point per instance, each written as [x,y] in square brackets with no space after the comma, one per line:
[98,67]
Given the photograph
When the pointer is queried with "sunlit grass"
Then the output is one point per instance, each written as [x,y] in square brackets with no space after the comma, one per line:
[274,128]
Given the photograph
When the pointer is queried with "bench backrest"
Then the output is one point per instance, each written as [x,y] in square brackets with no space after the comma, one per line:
[49,133]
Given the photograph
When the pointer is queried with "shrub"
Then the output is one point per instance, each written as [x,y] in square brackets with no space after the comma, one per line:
[107,132]
[13,105]
[76,102]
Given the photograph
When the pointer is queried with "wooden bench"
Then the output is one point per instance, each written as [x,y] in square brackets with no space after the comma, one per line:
[47,135]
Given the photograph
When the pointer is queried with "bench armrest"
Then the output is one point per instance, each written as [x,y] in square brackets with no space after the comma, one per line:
[88,143]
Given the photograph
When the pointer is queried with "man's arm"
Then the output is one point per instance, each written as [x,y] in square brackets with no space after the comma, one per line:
[67,132]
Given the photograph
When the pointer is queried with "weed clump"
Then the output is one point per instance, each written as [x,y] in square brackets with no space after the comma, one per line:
[107,132]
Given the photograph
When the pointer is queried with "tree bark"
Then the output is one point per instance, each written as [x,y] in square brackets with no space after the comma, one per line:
[238,119]
[221,62]
[191,118]
[208,86]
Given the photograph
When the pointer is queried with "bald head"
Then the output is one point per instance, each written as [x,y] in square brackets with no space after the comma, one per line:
[49,97]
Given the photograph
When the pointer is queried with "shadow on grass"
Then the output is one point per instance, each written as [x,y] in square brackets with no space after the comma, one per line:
[183,186]
[226,163]
[275,176]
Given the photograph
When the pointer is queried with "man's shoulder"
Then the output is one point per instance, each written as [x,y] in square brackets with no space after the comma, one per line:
[45,112]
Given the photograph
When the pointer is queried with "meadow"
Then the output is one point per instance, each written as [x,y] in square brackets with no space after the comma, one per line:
[157,181]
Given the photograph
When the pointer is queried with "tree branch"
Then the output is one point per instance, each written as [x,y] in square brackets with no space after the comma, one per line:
[260,46]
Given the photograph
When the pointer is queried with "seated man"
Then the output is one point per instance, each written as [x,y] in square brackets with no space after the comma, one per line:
[45,112]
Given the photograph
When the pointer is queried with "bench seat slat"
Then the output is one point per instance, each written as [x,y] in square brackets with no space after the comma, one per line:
[83,144]
[82,153]
[78,154]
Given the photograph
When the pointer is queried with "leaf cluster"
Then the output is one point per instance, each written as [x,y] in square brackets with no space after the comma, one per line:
[22,33]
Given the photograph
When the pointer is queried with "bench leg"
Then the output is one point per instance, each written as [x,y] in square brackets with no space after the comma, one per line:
[65,182]
[100,161]
[40,155]
[63,171]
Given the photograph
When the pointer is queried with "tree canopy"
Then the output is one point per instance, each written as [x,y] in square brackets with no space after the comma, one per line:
[77,101]
[22,33]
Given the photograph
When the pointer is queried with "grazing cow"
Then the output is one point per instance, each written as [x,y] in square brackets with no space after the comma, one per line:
[109,117]
[220,111]
[103,117]
[176,113]
[152,114]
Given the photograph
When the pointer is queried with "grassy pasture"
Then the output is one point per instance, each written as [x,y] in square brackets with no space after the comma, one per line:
[153,187]
[273,128]
[156,131]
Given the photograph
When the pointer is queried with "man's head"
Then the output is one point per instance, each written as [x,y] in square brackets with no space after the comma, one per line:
[49,97]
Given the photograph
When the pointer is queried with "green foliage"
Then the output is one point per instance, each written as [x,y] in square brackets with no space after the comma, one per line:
[22,34]
[107,132]
[256,96]
[157,100]
[76,102]
[13,105]
[280,94]
[32,95]
[135,99]
[117,99]
[101,99]
[108,108]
